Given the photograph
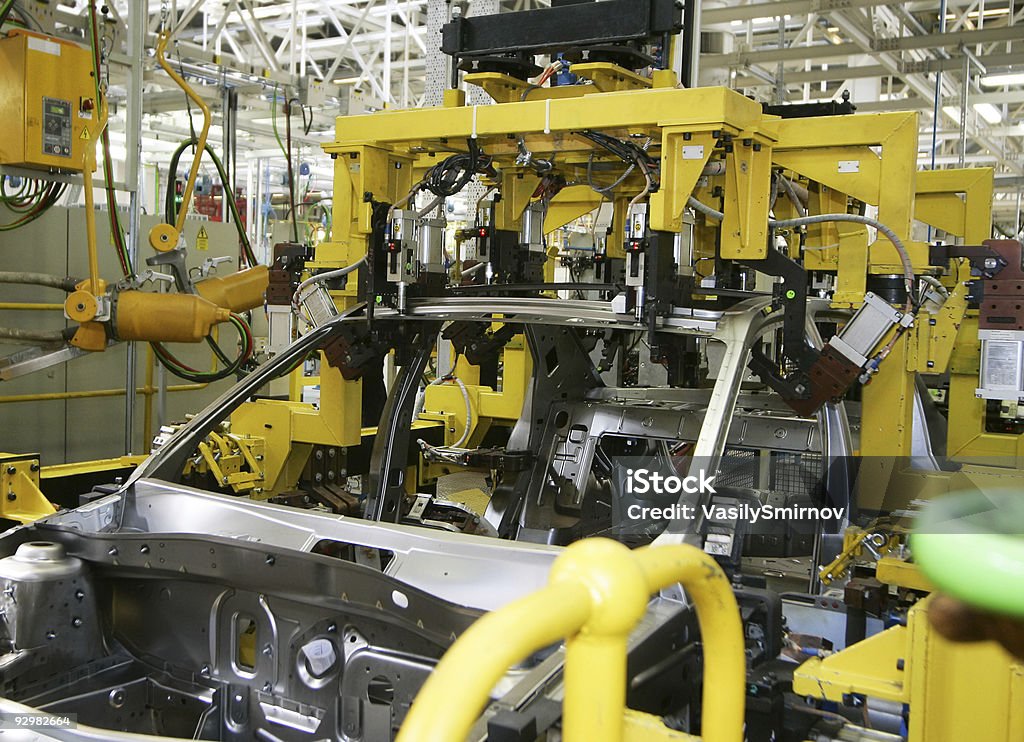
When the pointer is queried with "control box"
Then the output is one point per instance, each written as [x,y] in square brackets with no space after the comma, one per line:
[49,102]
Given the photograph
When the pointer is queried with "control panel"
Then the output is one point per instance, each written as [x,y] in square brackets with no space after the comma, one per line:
[49,102]
[57,127]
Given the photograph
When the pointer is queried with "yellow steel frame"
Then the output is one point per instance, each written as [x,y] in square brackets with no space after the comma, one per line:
[836,151]
[671,116]
[869,157]
[597,593]
[955,691]
[487,405]
[958,201]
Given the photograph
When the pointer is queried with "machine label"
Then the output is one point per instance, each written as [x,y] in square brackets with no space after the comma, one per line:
[1002,364]
[44,45]
[849,166]
[693,152]
[56,127]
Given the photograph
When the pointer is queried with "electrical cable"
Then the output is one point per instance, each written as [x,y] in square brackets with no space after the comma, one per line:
[286,151]
[936,284]
[291,165]
[908,266]
[629,153]
[793,197]
[908,269]
[5,11]
[327,276]
[117,233]
[604,190]
[184,371]
[165,356]
[644,193]
[469,414]
[454,173]
[51,195]
[703,208]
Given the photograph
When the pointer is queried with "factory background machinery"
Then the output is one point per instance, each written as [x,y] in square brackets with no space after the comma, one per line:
[464,309]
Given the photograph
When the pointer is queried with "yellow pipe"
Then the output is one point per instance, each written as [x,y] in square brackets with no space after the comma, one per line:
[25,306]
[186,198]
[148,390]
[147,419]
[595,657]
[598,591]
[456,692]
[90,221]
[721,632]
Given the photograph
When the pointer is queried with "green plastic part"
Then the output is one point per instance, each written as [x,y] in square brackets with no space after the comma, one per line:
[971,546]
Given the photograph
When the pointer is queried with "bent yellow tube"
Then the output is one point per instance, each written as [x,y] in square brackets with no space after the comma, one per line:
[477,661]
[190,184]
[721,632]
[599,590]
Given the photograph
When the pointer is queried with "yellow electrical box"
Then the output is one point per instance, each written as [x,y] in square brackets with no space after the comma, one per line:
[48,101]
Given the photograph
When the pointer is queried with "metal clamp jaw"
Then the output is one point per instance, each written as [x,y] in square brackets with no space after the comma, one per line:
[175,259]
[209,265]
[141,279]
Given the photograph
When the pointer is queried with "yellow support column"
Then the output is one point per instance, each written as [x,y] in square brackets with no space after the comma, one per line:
[887,411]
[748,172]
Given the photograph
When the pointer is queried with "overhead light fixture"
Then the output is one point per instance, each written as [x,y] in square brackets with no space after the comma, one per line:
[1004,78]
[988,13]
[346,80]
[989,112]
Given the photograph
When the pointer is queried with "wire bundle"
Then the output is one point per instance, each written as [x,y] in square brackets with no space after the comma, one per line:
[31,200]
[454,173]
[231,367]
[184,371]
[117,233]
[629,153]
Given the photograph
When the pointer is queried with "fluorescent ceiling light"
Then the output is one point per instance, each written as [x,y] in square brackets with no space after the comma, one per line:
[989,13]
[989,112]
[1006,78]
